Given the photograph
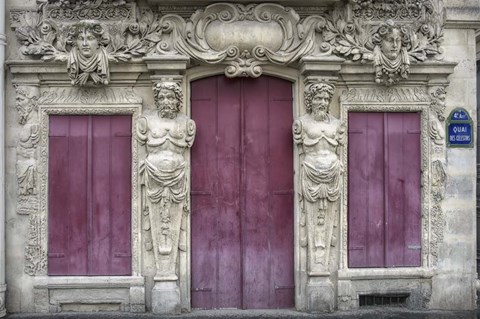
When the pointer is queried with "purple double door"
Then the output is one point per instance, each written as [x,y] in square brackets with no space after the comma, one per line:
[384,216]
[242,194]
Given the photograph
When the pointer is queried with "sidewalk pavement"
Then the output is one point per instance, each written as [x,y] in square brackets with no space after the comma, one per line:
[383,313]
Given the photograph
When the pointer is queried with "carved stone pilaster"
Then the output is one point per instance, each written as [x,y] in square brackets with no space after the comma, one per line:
[438,175]
[318,136]
[26,166]
[168,135]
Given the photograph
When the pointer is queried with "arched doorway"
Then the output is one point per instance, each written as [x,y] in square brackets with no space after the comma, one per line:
[242,193]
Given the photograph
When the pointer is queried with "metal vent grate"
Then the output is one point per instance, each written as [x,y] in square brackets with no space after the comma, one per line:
[397,300]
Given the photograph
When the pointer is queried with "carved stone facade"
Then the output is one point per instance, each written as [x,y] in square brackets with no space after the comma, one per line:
[101,58]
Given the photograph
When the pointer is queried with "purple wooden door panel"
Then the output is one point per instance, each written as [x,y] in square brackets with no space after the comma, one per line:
[403,187]
[280,163]
[68,195]
[89,195]
[384,189]
[242,199]
[216,257]
[366,200]
[111,200]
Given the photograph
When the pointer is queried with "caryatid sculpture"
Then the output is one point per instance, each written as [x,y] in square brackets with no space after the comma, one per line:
[319,136]
[167,135]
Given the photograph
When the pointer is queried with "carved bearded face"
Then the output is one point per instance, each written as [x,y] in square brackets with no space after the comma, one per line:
[391,44]
[320,103]
[167,103]
[87,43]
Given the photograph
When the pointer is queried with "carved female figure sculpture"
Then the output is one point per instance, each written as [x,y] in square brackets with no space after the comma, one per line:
[319,135]
[390,53]
[167,135]
[88,58]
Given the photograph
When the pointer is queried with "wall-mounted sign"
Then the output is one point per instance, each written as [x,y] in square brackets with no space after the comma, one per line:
[459,129]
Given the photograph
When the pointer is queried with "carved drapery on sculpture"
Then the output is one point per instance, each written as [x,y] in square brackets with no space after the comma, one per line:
[242,37]
[319,135]
[167,135]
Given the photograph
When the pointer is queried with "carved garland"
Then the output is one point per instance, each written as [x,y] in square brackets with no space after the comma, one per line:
[36,247]
[357,32]
[398,100]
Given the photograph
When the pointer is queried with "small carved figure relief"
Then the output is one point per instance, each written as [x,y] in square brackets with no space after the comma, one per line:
[391,59]
[167,135]
[88,58]
[26,166]
[319,136]
[436,117]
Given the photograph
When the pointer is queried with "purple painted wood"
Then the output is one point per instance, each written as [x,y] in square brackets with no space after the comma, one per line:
[216,246]
[366,188]
[67,196]
[384,189]
[242,198]
[403,226]
[89,195]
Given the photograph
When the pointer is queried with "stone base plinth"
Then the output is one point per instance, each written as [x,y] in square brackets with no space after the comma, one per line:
[166,298]
[320,295]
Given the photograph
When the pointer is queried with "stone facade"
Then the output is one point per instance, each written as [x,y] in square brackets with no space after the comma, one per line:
[138,58]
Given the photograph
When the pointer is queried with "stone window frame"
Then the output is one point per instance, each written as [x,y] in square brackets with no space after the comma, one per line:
[133,109]
[425,162]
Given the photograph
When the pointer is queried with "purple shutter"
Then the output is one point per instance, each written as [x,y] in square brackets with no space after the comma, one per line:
[366,190]
[90,195]
[403,189]
[384,190]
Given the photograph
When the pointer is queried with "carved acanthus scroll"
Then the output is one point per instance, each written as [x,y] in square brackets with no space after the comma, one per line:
[167,135]
[319,135]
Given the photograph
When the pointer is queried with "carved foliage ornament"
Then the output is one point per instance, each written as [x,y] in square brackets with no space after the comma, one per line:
[246,36]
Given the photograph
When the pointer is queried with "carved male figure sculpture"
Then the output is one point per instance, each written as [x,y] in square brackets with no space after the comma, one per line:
[167,135]
[390,54]
[88,58]
[318,135]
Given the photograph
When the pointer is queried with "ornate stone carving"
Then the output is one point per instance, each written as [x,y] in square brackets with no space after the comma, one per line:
[167,135]
[390,99]
[393,9]
[244,37]
[35,251]
[26,166]
[319,136]
[390,56]
[90,96]
[35,254]
[87,59]
[437,118]
[385,95]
